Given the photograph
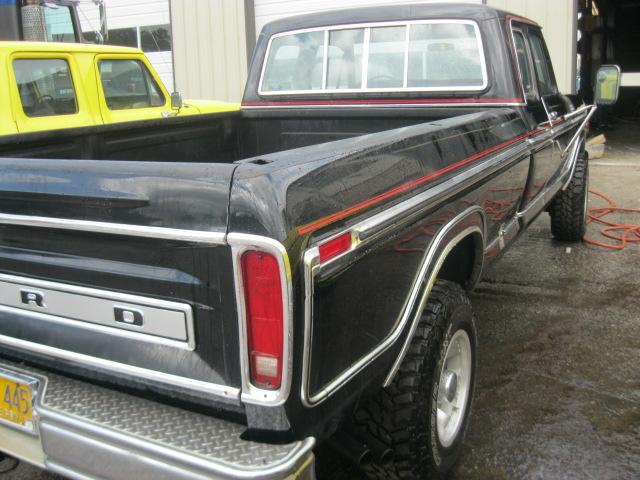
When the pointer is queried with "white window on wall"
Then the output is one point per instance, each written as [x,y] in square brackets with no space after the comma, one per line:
[155,41]
[151,38]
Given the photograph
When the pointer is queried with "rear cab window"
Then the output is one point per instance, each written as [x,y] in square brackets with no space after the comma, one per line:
[45,87]
[127,84]
[427,55]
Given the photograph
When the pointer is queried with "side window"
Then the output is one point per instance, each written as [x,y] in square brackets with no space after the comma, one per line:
[523,63]
[45,87]
[127,84]
[542,65]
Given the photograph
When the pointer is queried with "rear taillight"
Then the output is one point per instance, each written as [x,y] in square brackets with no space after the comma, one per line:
[264,316]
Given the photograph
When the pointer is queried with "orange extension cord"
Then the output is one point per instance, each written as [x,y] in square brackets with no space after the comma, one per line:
[621,233]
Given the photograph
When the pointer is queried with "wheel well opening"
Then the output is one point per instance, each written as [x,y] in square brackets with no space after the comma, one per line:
[461,264]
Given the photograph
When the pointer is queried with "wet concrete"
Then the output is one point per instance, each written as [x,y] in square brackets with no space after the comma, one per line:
[558,392]
[559,378]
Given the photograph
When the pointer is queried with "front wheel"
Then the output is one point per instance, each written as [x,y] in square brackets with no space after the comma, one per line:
[568,210]
[423,415]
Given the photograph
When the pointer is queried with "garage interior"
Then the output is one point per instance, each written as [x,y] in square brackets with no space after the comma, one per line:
[609,34]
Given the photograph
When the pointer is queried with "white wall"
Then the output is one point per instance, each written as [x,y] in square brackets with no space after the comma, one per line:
[133,13]
[558,19]
[269,10]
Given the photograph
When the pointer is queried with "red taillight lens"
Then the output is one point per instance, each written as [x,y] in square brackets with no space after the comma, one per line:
[335,247]
[263,297]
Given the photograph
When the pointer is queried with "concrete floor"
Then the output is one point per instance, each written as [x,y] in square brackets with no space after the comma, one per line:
[558,393]
[559,376]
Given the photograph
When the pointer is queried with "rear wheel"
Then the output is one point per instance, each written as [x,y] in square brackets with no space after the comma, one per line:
[568,210]
[423,415]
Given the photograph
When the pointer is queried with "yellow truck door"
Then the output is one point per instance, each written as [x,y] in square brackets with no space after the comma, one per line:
[7,122]
[47,92]
[129,89]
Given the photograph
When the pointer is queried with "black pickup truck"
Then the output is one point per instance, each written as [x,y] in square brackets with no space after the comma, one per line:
[212,296]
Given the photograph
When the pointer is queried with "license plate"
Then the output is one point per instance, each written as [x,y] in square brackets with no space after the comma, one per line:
[17,393]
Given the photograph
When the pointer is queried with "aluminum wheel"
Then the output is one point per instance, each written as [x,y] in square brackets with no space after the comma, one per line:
[454,387]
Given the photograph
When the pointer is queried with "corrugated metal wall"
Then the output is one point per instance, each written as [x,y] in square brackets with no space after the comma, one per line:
[558,19]
[133,13]
[209,48]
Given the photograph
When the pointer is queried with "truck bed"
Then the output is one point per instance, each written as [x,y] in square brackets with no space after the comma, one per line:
[141,216]
[211,138]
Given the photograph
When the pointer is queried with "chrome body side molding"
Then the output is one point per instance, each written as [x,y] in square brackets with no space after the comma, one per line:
[239,243]
[229,393]
[562,182]
[312,267]
[162,233]
[430,268]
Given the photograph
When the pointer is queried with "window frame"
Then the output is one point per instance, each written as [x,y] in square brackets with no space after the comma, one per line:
[525,36]
[548,64]
[45,59]
[143,63]
[367,36]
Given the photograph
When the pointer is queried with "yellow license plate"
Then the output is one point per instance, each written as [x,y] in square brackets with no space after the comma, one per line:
[16,402]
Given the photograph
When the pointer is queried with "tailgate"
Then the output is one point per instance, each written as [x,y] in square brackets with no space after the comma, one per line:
[120,270]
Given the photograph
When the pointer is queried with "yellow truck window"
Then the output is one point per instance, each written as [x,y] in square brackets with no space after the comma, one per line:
[45,87]
[127,84]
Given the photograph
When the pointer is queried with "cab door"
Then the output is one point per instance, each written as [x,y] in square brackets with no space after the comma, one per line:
[46,92]
[555,104]
[7,122]
[539,88]
[129,90]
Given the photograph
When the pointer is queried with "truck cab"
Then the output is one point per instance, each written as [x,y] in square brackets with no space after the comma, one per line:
[61,85]
[50,21]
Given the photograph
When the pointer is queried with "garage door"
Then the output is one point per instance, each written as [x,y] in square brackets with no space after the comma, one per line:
[269,10]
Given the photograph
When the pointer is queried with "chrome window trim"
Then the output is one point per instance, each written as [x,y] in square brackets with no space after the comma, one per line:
[241,243]
[515,51]
[387,105]
[108,228]
[124,298]
[367,26]
[312,267]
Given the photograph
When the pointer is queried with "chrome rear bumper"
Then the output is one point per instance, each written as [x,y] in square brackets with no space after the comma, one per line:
[85,431]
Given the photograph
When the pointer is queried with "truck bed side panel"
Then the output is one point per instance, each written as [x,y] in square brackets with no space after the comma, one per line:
[126,230]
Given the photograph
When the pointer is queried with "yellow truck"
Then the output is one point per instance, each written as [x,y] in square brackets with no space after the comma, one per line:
[49,86]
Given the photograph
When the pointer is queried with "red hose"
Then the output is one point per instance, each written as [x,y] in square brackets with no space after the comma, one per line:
[621,233]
